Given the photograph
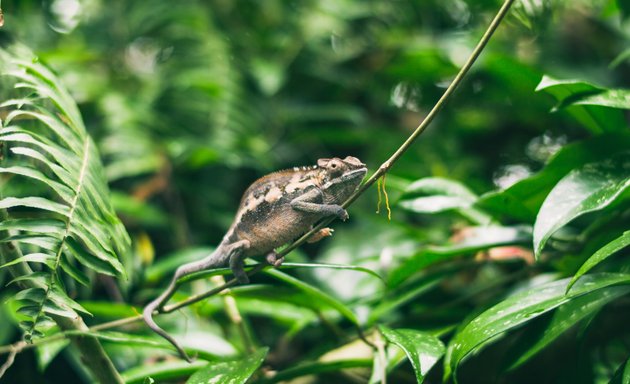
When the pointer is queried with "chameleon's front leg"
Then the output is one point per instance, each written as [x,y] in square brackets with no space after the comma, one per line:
[305,203]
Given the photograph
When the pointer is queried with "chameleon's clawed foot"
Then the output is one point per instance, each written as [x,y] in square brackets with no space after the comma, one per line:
[241,276]
[273,259]
[236,260]
[317,236]
[342,214]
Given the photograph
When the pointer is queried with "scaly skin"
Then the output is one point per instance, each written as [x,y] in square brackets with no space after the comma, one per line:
[274,210]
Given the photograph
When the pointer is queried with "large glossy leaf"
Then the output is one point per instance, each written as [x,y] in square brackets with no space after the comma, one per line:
[522,200]
[229,372]
[72,221]
[519,309]
[422,349]
[589,103]
[566,316]
[602,254]
[589,188]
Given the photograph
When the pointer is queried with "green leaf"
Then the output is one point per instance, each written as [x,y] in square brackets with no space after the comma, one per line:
[600,255]
[434,204]
[422,349]
[46,352]
[595,115]
[587,189]
[229,372]
[622,375]
[566,316]
[33,258]
[614,98]
[440,186]
[522,200]
[317,295]
[72,218]
[34,202]
[290,313]
[519,309]
[34,225]
[332,266]
[162,371]
[438,195]
[387,305]
[316,368]
[477,239]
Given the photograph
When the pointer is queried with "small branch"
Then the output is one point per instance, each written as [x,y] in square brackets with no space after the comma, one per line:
[11,358]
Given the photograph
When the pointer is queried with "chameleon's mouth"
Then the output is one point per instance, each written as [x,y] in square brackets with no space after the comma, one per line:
[357,173]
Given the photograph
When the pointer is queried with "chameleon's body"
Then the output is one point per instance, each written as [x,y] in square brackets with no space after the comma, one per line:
[274,210]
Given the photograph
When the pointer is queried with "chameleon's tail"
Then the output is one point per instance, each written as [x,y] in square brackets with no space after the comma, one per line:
[212,260]
[147,314]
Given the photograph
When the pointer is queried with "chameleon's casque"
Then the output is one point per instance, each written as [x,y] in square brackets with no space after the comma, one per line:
[274,210]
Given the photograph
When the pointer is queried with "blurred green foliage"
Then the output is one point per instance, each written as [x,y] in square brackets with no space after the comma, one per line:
[190,101]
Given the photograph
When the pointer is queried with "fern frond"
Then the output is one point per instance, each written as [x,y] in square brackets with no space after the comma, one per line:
[71,227]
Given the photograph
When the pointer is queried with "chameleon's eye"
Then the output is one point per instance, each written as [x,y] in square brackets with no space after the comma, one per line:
[334,168]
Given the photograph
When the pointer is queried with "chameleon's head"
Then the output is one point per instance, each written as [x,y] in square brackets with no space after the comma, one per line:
[340,177]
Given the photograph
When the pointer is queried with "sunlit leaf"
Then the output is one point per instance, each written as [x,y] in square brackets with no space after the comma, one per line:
[614,98]
[229,372]
[435,194]
[422,349]
[566,316]
[439,186]
[583,190]
[519,309]
[594,113]
[602,254]
[523,199]
[34,258]
[162,371]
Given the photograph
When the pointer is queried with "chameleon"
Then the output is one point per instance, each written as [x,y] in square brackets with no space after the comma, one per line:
[273,211]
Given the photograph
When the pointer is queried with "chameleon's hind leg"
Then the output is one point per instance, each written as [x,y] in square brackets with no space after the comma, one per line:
[236,256]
